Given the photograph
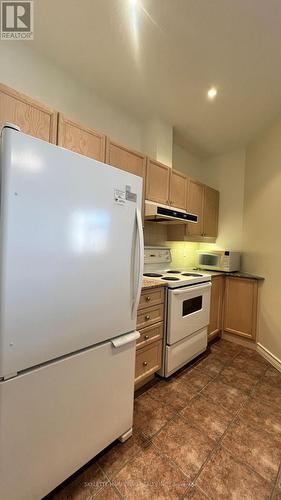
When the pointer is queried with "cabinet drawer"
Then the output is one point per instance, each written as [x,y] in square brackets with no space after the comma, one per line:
[150,334]
[151,297]
[149,316]
[148,361]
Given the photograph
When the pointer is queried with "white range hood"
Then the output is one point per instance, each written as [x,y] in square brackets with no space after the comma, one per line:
[155,212]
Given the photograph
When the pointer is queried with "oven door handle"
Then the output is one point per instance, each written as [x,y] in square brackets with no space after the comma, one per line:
[192,289]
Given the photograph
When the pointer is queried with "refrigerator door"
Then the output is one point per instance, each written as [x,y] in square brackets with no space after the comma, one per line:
[55,418]
[70,252]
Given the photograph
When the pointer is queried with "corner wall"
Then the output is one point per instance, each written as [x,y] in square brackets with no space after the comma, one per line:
[262,232]
[188,163]
[226,173]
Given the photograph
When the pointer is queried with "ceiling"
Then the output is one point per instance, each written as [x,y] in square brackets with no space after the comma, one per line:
[157,58]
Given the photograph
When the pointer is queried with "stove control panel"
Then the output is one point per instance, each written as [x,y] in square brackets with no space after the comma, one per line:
[157,255]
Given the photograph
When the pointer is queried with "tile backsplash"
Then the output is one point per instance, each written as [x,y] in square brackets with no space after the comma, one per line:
[183,252]
[155,234]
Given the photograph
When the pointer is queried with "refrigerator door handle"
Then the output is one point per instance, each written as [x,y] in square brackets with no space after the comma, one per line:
[139,268]
[125,339]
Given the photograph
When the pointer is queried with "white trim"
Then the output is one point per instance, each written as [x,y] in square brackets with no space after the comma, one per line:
[273,360]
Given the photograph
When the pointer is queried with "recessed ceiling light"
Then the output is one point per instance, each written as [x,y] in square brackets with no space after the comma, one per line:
[212,92]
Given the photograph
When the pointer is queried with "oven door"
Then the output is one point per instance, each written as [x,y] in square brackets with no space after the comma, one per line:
[188,311]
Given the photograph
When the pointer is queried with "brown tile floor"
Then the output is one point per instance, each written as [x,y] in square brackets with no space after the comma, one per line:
[213,431]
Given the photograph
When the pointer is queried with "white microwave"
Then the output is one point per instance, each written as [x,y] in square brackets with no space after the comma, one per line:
[219,260]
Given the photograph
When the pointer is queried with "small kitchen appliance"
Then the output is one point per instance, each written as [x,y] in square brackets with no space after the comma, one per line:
[219,260]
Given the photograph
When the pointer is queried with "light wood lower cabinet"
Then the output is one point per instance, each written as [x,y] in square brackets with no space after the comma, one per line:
[80,139]
[216,307]
[32,117]
[149,316]
[240,307]
[148,361]
[151,297]
[150,325]
[150,334]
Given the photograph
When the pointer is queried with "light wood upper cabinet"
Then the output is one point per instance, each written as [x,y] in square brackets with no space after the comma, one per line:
[195,206]
[203,201]
[217,291]
[157,182]
[32,117]
[166,185]
[178,189]
[81,139]
[240,306]
[126,159]
[211,212]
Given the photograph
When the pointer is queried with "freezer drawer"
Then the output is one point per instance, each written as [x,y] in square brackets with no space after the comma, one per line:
[56,418]
[184,351]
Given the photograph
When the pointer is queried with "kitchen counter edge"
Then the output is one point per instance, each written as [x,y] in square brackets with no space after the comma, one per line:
[151,283]
[237,274]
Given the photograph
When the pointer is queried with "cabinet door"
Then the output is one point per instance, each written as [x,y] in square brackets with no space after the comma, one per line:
[126,159]
[178,189]
[32,117]
[148,361]
[215,325]
[240,306]
[210,212]
[121,157]
[81,139]
[195,206]
[157,182]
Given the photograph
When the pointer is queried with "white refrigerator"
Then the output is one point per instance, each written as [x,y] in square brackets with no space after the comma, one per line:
[71,257]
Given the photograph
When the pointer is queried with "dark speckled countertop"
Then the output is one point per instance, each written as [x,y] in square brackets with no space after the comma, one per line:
[237,274]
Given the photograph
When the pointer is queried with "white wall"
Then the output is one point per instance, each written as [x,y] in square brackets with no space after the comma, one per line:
[26,71]
[262,231]
[158,141]
[188,163]
[227,174]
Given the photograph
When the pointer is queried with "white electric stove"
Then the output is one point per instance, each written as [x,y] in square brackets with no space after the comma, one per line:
[187,309]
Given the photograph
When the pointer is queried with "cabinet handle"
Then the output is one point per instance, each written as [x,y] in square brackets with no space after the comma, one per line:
[145,363]
[146,337]
[147,317]
[147,298]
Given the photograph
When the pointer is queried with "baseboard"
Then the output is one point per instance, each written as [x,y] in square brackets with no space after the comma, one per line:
[250,344]
[273,360]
